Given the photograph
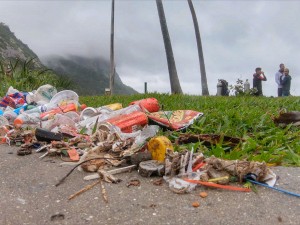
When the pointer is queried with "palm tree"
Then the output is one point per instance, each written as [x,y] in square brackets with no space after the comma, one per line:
[112,58]
[200,50]
[175,85]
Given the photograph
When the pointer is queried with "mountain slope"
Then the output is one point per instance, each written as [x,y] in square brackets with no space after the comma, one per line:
[11,48]
[91,74]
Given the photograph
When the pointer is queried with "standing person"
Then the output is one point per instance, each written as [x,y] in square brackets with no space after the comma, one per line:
[277,78]
[258,77]
[286,82]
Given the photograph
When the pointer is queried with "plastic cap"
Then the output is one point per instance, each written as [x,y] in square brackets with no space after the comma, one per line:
[83,106]
[18,122]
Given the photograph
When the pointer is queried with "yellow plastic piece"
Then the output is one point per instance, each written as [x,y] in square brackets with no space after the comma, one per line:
[218,179]
[114,106]
[158,146]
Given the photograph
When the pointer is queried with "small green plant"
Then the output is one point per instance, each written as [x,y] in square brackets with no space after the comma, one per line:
[239,90]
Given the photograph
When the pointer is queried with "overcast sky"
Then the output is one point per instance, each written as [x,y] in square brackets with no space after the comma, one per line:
[237,37]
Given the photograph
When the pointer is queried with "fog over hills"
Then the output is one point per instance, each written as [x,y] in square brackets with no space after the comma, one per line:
[89,74]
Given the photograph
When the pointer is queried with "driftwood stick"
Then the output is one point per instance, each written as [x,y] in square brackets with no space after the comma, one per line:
[86,188]
[111,172]
[68,174]
[103,191]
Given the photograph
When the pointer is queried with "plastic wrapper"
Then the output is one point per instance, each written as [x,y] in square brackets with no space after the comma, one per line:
[175,120]
[179,186]
[13,100]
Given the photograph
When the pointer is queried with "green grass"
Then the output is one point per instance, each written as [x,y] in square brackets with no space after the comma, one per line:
[245,117]
[24,78]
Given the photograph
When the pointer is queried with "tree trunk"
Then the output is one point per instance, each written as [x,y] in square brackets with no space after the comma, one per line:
[112,58]
[200,50]
[175,84]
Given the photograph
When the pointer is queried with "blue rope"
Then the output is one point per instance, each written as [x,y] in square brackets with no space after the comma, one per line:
[277,189]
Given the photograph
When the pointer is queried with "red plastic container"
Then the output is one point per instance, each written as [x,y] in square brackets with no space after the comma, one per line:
[150,104]
[131,122]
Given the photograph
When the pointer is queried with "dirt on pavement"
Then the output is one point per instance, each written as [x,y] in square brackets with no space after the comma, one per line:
[29,196]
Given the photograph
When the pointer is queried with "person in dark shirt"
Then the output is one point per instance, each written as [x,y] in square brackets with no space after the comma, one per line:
[258,77]
[286,82]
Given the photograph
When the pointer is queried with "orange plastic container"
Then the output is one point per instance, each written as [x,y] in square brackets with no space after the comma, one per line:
[150,104]
[130,122]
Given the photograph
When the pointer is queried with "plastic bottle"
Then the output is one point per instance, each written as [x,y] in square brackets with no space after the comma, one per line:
[62,109]
[27,119]
[129,123]
[246,86]
[91,112]
[90,122]
[1,112]
[56,121]
[20,109]
[9,114]
[42,108]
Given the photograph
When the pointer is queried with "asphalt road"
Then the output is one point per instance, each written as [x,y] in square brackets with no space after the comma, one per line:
[29,196]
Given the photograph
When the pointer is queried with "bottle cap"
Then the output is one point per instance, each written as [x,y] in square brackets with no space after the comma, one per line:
[83,106]
[18,122]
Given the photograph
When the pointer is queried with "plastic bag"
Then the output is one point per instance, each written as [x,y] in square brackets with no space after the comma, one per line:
[175,120]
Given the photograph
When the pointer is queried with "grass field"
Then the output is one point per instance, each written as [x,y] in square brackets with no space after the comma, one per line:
[244,117]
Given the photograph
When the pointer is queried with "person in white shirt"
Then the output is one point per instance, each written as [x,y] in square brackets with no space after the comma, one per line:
[278,76]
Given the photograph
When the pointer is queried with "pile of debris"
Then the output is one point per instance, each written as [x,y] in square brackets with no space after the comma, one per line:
[111,139]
